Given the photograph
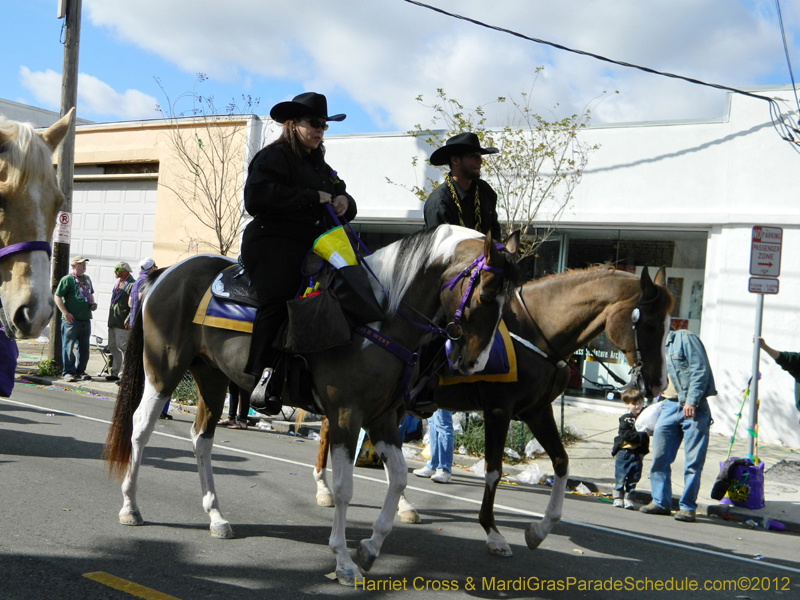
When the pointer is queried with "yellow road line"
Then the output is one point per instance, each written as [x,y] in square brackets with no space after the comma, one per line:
[134,589]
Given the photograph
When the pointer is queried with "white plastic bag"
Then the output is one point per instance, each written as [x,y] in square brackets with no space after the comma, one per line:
[646,422]
[533,447]
[533,474]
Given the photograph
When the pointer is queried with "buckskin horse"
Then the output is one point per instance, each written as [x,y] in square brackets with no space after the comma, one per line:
[549,319]
[355,384]
[29,202]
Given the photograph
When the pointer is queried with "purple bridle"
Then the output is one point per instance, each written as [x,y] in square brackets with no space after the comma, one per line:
[453,328]
[25,247]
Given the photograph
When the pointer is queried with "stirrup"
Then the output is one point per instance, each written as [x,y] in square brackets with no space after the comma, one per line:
[260,399]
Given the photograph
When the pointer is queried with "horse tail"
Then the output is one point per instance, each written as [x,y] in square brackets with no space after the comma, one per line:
[298,420]
[117,452]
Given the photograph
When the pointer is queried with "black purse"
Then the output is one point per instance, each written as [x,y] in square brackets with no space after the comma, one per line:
[316,323]
[352,288]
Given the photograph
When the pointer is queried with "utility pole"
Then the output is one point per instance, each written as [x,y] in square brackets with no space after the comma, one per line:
[66,153]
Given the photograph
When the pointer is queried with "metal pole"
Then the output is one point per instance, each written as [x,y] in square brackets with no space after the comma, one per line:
[66,157]
[753,429]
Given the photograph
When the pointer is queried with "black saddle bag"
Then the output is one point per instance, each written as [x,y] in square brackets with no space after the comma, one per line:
[316,323]
[352,288]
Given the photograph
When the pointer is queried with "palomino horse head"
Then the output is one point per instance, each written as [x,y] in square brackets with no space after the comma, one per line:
[639,327]
[29,202]
[473,294]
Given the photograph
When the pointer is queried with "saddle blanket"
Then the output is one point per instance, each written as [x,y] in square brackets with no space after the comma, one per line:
[501,366]
[224,314]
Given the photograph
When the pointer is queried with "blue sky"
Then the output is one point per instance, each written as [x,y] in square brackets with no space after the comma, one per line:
[372,58]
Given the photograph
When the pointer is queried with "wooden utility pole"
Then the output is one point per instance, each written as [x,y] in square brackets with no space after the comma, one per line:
[66,154]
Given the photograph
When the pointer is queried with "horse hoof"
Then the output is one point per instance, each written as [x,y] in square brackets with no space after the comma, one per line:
[347,577]
[365,557]
[532,537]
[410,516]
[222,531]
[499,550]
[325,500]
[131,518]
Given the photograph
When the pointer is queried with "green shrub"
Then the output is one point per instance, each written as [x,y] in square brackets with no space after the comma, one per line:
[48,367]
[186,391]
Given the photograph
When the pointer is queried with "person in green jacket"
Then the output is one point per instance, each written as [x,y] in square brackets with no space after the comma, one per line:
[788,361]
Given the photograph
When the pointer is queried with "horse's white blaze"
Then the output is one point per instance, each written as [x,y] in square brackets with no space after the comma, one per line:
[342,464]
[483,357]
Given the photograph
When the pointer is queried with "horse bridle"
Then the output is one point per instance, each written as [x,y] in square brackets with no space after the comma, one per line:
[25,247]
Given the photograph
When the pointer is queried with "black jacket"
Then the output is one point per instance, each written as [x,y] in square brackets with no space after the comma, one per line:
[281,194]
[440,208]
[627,433]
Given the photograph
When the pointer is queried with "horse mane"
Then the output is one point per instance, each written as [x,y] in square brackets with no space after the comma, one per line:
[27,156]
[398,264]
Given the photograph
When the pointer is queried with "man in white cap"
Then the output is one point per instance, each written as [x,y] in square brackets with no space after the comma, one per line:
[118,318]
[74,297]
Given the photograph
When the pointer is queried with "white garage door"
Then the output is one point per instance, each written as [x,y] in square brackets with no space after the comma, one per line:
[113,220]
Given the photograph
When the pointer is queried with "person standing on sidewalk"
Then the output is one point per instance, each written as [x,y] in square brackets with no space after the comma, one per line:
[686,417]
[630,447]
[789,362]
[467,200]
[118,327]
[74,297]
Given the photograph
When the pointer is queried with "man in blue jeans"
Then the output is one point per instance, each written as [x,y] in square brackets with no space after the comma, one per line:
[74,297]
[685,417]
[440,436]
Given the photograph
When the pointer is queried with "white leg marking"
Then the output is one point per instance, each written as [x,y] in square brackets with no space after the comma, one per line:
[324,494]
[496,544]
[537,531]
[407,512]
[347,572]
[202,450]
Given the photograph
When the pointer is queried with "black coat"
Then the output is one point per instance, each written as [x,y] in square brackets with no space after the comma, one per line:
[440,208]
[627,433]
[281,194]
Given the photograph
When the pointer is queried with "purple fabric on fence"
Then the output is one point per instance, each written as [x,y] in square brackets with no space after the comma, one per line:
[8,363]
[747,486]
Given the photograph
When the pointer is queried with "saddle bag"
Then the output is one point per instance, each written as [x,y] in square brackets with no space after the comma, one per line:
[316,323]
[352,287]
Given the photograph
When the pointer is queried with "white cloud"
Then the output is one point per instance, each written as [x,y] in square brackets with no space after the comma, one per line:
[383,54]
[94,96]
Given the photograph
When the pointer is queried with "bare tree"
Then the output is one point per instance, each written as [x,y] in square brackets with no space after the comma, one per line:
[209,145]
[535,173]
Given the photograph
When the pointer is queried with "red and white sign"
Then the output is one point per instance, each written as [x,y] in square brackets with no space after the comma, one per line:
[764,285]
[765,251]
[63,229]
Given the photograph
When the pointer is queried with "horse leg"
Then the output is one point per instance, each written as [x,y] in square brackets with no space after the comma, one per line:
[211,385]
[543,426]
[386,440]
[496,423]
[324,495]
[344,430]
[144,421]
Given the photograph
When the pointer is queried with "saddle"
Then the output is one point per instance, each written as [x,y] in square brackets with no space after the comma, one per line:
[233,284]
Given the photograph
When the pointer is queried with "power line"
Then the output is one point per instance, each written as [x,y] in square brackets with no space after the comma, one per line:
[786,51]
[787,131]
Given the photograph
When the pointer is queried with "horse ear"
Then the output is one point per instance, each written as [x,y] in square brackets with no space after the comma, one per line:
[646,282]
[512,242]
[53,135]
[661,277]
[489,250]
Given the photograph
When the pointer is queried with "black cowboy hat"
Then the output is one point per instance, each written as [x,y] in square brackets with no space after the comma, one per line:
[459,145]
[309,104]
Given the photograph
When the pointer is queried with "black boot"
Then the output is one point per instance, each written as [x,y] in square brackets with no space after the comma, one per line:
[260,399]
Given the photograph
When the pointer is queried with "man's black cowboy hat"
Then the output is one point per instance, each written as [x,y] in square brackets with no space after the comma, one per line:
[309,104]
[459,145]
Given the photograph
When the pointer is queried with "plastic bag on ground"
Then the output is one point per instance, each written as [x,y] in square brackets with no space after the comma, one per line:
[462,450]
[582,489]
[314,436]
[533,474]
[409,452]
[479,468]
[533,447]
[458,422]
[512,453]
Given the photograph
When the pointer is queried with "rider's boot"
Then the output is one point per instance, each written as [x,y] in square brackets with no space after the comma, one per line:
[260,399]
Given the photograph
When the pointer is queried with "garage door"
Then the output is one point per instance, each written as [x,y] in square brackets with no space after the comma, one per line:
[113,220]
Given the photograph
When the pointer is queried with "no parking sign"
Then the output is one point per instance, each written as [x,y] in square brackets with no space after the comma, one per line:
[63,229]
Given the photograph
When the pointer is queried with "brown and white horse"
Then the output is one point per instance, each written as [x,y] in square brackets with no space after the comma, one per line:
[556,315]
[29,202]
[354,384]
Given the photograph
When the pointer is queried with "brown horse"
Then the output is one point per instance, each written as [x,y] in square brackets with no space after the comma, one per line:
[29,202]
[556,315]
[355,384]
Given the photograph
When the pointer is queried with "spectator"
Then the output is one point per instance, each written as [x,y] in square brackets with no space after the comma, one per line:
[118,318]
[8,363]
[686,417]
[789,362]
[74,297]
[239,399]
[630,447]
[466,200]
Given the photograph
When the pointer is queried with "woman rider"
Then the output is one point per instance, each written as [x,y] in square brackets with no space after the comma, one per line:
[288,185]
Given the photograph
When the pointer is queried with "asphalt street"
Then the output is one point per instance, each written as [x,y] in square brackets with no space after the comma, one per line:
[58,523]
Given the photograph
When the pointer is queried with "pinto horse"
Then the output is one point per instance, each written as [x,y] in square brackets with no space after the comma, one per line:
[355,385]
[29,202]
[549,319]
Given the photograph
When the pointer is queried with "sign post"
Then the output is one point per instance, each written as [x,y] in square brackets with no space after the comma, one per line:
[765,263]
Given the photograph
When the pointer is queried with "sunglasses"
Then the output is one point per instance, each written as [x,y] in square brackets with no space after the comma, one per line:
[316,123]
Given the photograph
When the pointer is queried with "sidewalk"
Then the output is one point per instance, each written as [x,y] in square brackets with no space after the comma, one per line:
[591,462]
